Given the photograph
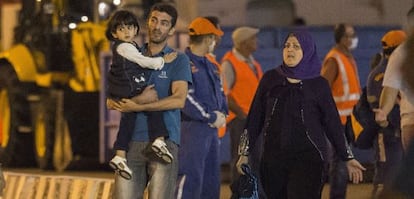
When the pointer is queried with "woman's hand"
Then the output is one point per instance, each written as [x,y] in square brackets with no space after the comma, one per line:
[242,160]
[355,171]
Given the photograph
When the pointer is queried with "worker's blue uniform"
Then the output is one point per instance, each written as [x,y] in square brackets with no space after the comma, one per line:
[199,150]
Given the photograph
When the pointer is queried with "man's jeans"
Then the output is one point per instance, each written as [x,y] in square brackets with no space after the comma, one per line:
[160,177]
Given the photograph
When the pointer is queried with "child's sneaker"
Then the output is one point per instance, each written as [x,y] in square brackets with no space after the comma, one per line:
[161,150]
[120,166]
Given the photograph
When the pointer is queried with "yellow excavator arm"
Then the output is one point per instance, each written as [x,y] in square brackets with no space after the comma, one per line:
[88,41]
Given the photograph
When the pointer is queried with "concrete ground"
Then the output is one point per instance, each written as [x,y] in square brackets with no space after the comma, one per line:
[360,191]
[354,191]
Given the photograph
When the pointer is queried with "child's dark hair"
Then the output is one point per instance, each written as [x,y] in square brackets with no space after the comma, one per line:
[122,17]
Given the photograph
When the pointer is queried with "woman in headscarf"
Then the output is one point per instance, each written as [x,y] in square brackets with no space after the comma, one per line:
[294,109]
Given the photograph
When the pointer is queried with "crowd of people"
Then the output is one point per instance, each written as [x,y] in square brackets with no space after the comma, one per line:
[288,124]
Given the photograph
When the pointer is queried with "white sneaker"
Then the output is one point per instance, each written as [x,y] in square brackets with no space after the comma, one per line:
[119,164]
[161,150]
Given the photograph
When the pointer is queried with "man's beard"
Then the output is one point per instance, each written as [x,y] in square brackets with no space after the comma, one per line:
[160,38]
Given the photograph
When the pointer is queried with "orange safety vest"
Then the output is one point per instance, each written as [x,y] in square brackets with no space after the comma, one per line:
[346,89]
[212,59]
[245,83]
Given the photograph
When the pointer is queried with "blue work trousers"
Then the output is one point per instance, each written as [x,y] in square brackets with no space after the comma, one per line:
[199,161]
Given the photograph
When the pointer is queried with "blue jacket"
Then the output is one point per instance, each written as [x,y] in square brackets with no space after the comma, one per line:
[205,94]
[319,114]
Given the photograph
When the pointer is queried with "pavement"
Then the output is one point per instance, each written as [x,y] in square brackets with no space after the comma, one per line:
[36,183]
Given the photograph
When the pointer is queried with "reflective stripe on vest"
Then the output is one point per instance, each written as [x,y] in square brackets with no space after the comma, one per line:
[347,96]
[345,112]
[345,89]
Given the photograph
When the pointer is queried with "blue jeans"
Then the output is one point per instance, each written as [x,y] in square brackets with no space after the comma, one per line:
[161,178]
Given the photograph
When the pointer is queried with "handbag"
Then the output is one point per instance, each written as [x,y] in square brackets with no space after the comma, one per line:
[246,186]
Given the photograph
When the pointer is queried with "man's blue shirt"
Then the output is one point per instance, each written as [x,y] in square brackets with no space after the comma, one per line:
[177,70]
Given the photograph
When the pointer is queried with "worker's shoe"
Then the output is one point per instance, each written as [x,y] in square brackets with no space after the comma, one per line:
[119,164]
[161,150]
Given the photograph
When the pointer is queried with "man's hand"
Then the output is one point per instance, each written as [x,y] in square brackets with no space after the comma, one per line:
[355,171]
[220,120]
[380,117]
[124,105]
[127,105]
[148,95]
[110,104]
[242,160]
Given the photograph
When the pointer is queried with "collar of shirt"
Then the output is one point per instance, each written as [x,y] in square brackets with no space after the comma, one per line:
[249,60]
[239,56]
[164,51]
[194,57]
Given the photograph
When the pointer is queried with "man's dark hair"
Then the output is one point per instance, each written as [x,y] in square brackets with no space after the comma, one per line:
[339,32]
[167,8]
[122,17]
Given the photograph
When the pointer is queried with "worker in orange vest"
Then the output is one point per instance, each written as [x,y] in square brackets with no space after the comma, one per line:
[242,74]
[340,69]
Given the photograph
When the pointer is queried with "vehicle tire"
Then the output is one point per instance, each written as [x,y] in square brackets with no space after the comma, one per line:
[44,114]
[16,138]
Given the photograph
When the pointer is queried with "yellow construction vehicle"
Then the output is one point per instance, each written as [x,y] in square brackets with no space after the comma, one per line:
[50,85]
